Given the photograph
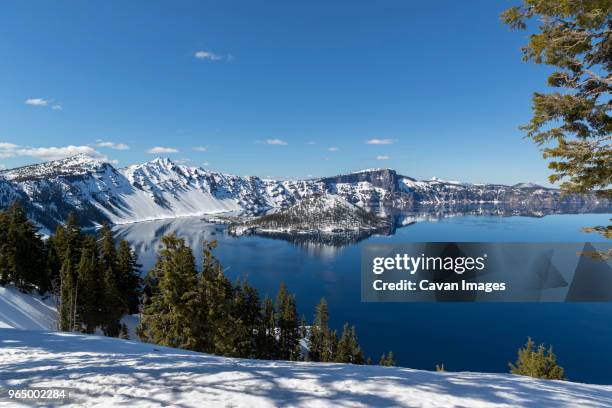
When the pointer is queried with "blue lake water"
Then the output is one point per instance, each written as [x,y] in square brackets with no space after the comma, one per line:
[463,336]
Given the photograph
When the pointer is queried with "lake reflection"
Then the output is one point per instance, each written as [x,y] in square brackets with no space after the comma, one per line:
[463,336]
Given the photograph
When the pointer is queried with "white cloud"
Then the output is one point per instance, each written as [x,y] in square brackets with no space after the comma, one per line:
[2,167]
[182,160]
[311,143]
[111,145]
[7,146]
[332,149]
[278,142]
[37,102]
[200,149]
[380,141]
[44,103]
[162,150]
[48,153]
[207,55]
[206,164]
[380,157]
[55,153]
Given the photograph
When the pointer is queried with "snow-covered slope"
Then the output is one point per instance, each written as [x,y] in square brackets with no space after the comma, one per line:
[26,311]
[107,372]
[95,191]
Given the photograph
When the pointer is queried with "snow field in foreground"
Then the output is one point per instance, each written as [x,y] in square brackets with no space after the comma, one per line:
[108,372]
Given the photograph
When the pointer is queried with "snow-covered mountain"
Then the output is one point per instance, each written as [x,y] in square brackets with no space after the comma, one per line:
[96,191]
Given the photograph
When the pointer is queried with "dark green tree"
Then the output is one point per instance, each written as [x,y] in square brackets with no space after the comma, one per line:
[267,342]
[320,338]
[67,294]
[287,324]
[390,359]
[107,250]
[89,297]
[247,310]
[348,349]
[344,352]
[5,275]
[226,331]
[575,38]
[387,360]
[22,252]
[128,279]
[357,353]
[68,236]
[114,305]
[572,124]
[169,317]
[539,363]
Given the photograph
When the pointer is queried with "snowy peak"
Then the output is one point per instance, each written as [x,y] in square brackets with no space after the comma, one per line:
[386,179]
[159,189]
[527,185]
[78,165]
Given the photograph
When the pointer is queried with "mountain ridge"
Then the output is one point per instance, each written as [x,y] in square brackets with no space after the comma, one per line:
[96,191]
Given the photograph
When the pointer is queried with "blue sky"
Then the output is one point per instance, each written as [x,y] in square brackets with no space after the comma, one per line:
[271,88]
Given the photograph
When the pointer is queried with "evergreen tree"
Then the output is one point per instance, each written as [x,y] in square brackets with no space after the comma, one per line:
[226,332]
[331,345]
[390,360]
[53,265]
[63,257]
[68,236]
[538,363]
[348,349]
[107,250]
[229,331]
[287,324]
[573,124]
[319,334]
[66,307]
[357,353]
[114,305]
[5,275]
[90,300]
[267,336]
[129,283]
[171,316]
[574,38]
[22,254]
[247,310]
[344,352]
[387,360]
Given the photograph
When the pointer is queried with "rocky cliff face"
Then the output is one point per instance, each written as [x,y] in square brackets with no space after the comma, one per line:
[95,191]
